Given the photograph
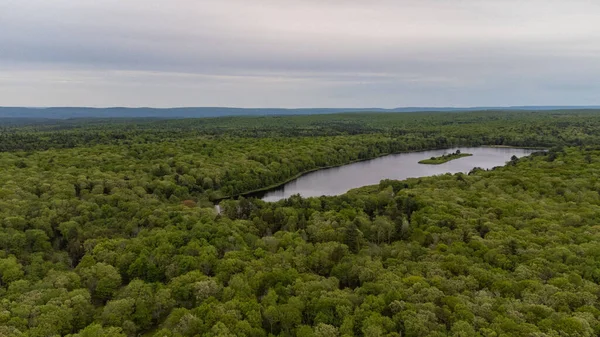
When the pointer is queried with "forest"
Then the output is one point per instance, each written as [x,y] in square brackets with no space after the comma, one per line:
[108,228]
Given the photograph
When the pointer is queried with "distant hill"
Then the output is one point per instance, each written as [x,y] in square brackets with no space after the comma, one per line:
[120,112]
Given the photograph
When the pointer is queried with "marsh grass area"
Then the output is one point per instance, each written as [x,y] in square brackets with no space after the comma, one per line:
[444,158]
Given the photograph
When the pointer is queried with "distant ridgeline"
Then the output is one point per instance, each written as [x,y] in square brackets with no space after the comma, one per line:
[197,112]
[444,158]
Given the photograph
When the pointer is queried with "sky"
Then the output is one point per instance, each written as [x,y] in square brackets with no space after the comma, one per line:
[299,53]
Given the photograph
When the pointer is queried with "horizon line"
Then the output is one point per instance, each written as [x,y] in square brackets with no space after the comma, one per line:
[304,108]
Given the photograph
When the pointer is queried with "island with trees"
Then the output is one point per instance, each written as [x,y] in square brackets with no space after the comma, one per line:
[444,158]
[108,228]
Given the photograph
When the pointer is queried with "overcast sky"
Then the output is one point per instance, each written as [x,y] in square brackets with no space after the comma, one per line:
[301,53]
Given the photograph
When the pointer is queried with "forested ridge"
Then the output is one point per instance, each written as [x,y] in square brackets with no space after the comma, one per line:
[118,236]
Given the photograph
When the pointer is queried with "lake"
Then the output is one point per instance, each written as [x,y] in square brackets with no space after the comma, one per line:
[339,180]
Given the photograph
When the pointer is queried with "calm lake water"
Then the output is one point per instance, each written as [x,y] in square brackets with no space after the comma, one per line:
[339,180]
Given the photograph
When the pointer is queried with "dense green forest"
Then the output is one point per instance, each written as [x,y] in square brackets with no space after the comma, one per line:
[107,228]
[439,129]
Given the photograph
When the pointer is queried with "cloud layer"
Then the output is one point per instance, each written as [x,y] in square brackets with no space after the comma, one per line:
[282,53]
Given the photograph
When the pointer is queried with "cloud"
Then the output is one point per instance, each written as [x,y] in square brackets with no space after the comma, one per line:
[298,53]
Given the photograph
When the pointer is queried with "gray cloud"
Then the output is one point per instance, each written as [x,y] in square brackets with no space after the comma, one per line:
[298,53]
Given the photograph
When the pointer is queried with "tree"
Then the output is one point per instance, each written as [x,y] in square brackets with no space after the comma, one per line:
[352,237]
[102,280]
[463,329]
[116,312]
[326,330]
[10,270]
[96,330]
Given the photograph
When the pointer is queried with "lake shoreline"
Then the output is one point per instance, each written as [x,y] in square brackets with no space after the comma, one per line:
[216,201]
[514,147]
[275,186]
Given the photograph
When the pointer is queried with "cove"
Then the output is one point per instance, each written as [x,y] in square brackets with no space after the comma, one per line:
[339,180]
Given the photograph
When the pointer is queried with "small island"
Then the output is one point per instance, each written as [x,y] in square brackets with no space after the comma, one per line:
[445,158]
